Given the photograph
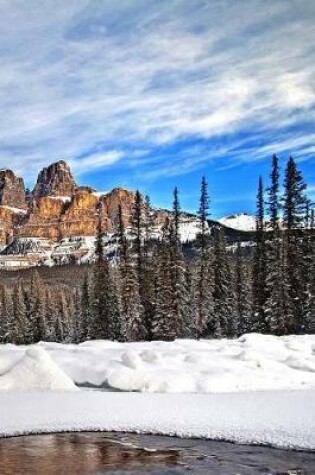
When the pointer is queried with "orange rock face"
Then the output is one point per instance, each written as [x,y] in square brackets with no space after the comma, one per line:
[58,208]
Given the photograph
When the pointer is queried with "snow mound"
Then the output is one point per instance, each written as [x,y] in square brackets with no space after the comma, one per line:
[252,362]
[36,371]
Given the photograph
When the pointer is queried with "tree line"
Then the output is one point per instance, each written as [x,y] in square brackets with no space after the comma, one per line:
[151,290]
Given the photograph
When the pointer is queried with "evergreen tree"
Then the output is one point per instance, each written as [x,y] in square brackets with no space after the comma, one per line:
[148,294]
[20,323]
[308,272]
[61,330]
[86,309]
[224,321]
[106,317]
[163,327]
[276,314]
[50,312]
[243,294]
[203,282]
[137,231]
[294,205]
[37,309]
[131,306]
[6,315]
[259,264]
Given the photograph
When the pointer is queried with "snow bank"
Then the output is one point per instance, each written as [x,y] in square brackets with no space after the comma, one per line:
[283,419]
[257,389]
[253,362]
[35,370]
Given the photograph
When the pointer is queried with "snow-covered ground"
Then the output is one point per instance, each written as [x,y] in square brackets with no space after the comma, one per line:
[257,389]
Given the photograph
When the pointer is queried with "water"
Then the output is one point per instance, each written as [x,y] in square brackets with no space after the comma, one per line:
[107,453]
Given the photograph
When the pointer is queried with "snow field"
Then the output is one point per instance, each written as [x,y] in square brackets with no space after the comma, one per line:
[256,390]
[283,419]
[251,363]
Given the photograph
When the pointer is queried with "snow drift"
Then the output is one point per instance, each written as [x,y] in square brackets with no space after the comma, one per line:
[35,371]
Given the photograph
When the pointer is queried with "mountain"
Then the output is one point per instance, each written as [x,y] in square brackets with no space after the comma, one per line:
[240,222]
[57,222]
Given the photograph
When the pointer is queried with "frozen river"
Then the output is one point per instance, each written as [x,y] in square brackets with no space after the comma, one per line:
[109,453]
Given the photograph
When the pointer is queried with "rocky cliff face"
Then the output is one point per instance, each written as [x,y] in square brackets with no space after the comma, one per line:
[58,208]
[55,180]
[12,191]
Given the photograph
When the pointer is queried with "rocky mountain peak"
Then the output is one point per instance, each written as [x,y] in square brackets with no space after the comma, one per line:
[12,190]
[55,180]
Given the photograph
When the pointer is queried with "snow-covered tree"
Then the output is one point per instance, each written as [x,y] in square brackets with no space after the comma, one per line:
[224,321]
[203,278]
[105,321]
[259,264]
[131,307]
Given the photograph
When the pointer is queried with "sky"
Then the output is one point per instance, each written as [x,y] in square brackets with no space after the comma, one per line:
[153,94]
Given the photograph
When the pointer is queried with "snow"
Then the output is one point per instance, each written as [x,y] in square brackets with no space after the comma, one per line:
[241,222]
[98,194]
[189,228]
[14,210]
[64,199]
[281,419]
[255,389]
[35,370]
[252,362]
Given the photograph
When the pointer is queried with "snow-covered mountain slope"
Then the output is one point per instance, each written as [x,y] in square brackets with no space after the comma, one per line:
[241,222]
[30,251]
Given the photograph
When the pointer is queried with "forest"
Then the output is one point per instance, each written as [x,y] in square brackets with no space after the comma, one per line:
[153,290]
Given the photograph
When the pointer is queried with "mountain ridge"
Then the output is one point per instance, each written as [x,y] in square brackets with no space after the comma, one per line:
[57,222]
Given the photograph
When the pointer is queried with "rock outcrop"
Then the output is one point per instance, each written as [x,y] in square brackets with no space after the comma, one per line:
[59,218]
[12,191]
[55,180]
[58,208]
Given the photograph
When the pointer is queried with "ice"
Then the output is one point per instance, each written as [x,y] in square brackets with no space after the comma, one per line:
[283,419]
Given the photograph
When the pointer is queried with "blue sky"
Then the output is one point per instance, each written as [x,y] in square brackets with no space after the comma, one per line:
[151,94]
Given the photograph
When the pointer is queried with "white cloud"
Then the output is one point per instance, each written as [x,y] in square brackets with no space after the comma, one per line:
[80,75]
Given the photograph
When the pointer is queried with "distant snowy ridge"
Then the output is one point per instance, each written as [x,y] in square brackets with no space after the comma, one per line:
[240,222]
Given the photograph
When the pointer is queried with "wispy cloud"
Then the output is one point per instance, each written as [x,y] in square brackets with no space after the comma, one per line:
[105,76]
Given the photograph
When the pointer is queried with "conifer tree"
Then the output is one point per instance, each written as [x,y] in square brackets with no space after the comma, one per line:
[6,315]
[131,307]
[224,321]
[148,294]
[243,295]
[259,264]
[20,323]
[203,281]
[106,317]
[180,308]
[308,272]
[86,309]
[37,309]
[137,231]
[275,305]
[163,327]
[51,311]
[294,206]
[61,318]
